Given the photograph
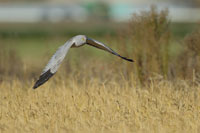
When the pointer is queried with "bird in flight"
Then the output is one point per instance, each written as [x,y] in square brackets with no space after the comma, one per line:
[60,54]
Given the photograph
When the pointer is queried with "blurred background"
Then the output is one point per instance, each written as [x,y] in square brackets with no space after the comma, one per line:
[32,11]
[99,16]
[31,30]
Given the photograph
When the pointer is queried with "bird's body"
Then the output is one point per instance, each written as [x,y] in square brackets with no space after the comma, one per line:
[60,54]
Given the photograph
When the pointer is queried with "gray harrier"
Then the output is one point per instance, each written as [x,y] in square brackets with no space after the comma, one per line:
[60,54]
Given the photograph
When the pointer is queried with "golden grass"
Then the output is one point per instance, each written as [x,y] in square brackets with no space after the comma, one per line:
[91,106]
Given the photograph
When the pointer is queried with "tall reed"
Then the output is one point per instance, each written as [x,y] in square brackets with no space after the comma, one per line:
[146,39]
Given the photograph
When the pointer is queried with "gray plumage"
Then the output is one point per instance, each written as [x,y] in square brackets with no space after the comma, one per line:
[60,54]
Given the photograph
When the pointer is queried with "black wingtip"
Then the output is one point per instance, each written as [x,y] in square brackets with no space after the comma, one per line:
[127,59]
[43,78]
[36,85]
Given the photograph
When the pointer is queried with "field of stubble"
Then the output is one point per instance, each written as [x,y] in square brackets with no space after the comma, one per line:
[69,106]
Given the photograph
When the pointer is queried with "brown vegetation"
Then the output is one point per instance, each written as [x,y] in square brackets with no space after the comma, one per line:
[148,40]
[66,105]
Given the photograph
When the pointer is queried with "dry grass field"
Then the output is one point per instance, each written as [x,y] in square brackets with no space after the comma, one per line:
[94,91]
[65,105]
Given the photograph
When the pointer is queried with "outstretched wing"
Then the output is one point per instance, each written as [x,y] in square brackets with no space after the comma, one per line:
[53,64]
[102,46]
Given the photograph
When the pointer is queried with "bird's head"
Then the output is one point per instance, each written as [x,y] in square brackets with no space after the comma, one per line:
[79,40]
